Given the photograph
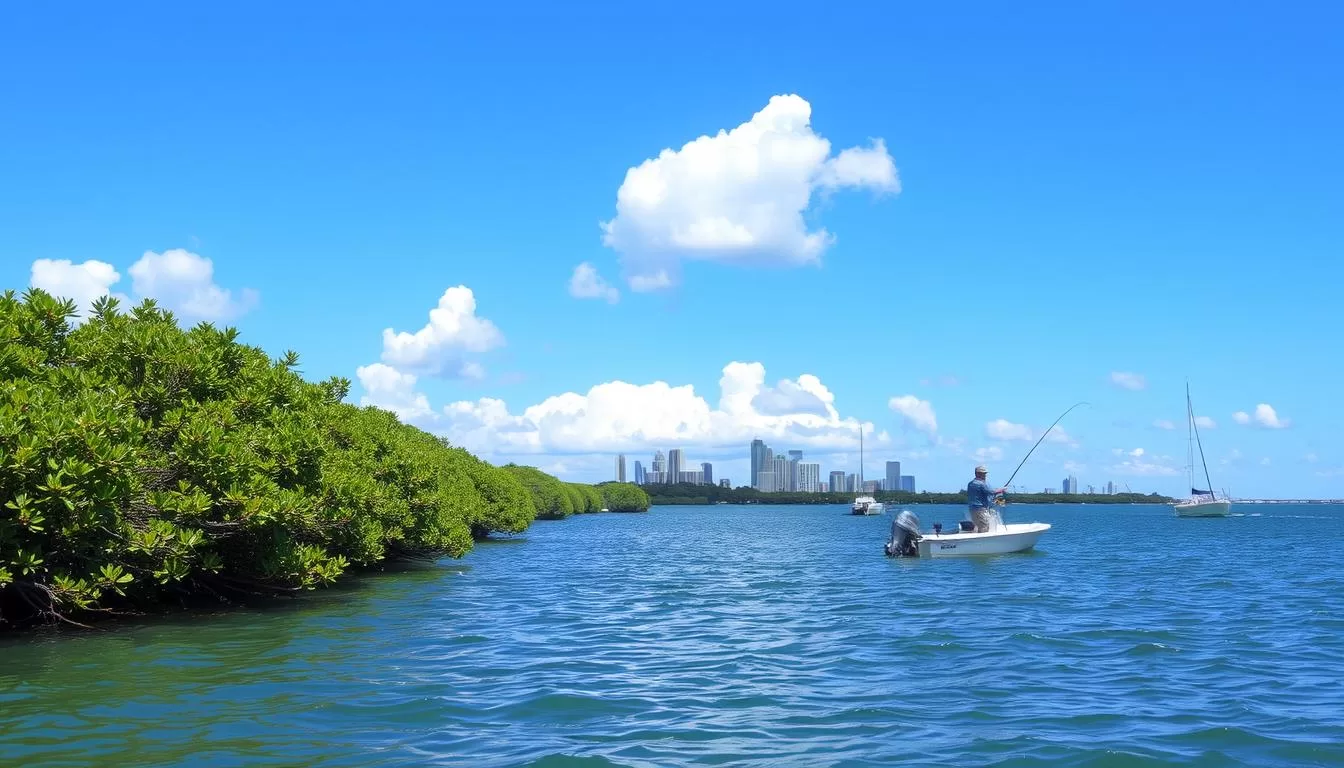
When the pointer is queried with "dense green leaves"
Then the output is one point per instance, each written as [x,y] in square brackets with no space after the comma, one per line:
[624,497]
[140,461]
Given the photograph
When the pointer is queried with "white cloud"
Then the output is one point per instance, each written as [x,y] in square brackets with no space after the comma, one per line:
[84,283]
[941,381]
[1073,466]
[1265,462]
[1002,429]
[1126,380]
[387,388]
[453,330]
[991,453]
[1058,435]
[1139,463]
[1311,458]
[1265,416]
[1164,424]
[1204,422]
[738,196]
[916,413]
[177,279]
[184,282]
[472,370]
[586,283]
[620,416]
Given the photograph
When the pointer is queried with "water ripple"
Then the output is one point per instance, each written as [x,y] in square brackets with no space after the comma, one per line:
[746,636]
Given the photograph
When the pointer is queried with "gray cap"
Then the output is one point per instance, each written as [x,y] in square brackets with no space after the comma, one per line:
[981,470]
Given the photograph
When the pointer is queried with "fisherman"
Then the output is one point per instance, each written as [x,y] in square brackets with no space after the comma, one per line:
[981,500]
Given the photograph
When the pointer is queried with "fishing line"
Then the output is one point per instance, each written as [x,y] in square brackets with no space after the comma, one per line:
[1038,442]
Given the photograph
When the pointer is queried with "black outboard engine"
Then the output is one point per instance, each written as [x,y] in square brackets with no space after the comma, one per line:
[904,535]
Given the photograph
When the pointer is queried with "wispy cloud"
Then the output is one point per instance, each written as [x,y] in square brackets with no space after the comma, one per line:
[1127,380]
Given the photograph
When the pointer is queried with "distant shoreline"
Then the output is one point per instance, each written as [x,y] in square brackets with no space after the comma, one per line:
[688,494]
[673,502]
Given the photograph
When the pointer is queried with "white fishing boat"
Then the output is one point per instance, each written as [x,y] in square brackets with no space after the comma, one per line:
[864,504]
[1001,539]
[1202,503]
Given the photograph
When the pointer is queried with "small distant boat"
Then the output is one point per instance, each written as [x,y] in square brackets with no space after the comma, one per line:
[865,505]
[1202,503]
[1003,538]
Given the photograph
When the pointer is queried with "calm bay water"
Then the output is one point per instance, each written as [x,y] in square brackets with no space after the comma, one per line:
[749,635]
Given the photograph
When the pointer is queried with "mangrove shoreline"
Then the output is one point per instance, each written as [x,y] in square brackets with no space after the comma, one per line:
[147,468]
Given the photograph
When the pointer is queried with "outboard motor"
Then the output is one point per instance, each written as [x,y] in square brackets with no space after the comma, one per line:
[904,535]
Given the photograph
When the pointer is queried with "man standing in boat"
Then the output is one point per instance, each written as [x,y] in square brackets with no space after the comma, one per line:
[981,500]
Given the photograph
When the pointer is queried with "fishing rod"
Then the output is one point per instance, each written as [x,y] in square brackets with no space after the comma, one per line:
[1033,448]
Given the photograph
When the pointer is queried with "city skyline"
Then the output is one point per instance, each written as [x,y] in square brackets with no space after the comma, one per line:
[798,475]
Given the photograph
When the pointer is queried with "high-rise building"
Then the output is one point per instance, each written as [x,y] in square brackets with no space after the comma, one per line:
[676,464]
[708,470]
[837,484]
[758,460]
[780,466]
[809,477]
[620,467]
[639,473]
[795,458]
[908,483]
[872,486]
[694,477]
[893,482]
[723,483]
[765,481]
[1070,484]
[1110,488]
[851,483]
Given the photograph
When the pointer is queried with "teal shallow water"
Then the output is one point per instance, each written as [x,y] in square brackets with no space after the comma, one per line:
[747,636]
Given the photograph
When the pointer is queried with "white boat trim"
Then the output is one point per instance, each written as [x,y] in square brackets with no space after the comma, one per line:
[1007,538]
[867,505]
[1206,507]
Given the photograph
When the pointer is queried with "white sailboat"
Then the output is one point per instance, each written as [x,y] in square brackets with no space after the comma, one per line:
[1202,503]
[865,504]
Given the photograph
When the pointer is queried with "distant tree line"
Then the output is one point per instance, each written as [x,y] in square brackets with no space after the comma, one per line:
[688,493]
[143,465]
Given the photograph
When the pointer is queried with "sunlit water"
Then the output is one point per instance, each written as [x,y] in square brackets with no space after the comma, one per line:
[751,635]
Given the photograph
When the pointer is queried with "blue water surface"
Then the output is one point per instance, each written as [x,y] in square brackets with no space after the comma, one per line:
[741,635]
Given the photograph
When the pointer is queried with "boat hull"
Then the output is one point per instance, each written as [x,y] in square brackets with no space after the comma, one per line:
[875,508]
[1003,540]
[1204,509]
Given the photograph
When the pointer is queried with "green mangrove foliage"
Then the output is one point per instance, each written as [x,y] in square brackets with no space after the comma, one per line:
[141,462]
[555,499]
[623,497]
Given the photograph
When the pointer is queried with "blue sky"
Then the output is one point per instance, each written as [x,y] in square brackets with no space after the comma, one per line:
[1058,195]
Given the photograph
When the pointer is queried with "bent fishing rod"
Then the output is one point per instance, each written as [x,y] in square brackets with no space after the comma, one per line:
[1038,442]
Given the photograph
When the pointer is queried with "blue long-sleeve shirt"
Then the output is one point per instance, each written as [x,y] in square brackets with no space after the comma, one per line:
[979,494]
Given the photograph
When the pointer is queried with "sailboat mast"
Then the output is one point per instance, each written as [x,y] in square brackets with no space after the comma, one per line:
[1191,409]
[860,458]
